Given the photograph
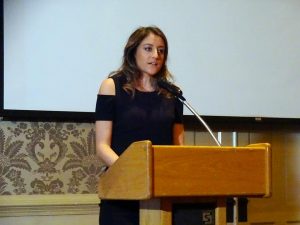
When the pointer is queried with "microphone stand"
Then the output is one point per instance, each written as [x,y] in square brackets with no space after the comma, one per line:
[173,89]
[183,100]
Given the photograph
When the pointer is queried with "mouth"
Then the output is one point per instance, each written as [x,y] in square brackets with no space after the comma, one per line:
[153,63]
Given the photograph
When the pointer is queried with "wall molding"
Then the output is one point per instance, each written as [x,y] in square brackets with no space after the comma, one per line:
[33,205]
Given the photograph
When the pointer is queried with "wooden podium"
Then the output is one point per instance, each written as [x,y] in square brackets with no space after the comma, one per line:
[160,176]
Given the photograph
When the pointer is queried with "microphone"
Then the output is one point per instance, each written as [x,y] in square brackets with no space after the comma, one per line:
[176,91]
[172,88]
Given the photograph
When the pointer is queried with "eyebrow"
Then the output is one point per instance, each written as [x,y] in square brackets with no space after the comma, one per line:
[161,46]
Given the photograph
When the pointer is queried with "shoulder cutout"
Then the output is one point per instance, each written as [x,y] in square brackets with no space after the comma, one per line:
[108,87]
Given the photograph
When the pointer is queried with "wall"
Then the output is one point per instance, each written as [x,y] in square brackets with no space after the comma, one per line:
[48,173]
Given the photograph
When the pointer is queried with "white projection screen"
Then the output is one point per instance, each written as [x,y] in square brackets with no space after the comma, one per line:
[237,58]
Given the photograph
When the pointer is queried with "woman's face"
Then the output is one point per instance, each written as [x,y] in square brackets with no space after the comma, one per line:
[150,55]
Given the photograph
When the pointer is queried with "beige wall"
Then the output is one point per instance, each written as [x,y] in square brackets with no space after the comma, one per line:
[49,175]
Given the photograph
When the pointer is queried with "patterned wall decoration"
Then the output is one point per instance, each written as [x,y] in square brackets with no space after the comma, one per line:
[48,158]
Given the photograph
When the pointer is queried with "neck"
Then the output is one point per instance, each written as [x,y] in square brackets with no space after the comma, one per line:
[145,84]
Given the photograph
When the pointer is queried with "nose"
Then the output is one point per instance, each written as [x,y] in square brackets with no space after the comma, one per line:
[155,53]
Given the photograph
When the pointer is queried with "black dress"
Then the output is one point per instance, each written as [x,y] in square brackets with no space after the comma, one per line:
[146,116]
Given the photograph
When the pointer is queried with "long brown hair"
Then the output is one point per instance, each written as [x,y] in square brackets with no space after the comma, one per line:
[129,67]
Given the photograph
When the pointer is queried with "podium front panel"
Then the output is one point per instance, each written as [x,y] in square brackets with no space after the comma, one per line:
[211,171]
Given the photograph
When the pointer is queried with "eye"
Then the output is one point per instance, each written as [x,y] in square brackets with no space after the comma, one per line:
[148,48]
[161,51]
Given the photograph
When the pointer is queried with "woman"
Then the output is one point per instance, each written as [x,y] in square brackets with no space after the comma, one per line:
[131,107]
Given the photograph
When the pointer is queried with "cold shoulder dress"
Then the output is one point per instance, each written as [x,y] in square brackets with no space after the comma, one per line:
[146,116]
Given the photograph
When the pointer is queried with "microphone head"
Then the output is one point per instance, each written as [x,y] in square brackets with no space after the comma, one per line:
[172,88]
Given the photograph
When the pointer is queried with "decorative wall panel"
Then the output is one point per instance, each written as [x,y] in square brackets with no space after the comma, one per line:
[48,158]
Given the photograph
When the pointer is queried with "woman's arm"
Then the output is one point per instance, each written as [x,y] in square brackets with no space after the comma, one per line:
[104,129]
[178,134]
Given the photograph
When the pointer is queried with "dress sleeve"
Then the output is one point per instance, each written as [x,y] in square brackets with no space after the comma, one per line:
[105,107]
[178,111]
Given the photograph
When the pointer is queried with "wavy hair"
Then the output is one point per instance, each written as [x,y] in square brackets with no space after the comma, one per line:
[129,67]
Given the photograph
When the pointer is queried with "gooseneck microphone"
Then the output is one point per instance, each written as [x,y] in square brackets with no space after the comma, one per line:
[176,91]
[172,88]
